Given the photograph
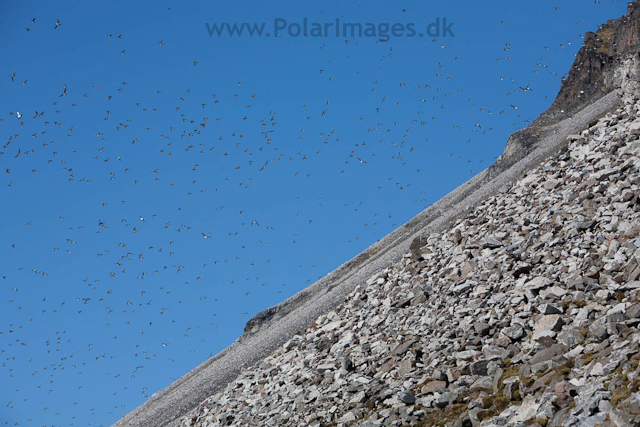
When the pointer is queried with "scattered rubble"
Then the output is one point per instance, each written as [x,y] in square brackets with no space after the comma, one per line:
[524,313]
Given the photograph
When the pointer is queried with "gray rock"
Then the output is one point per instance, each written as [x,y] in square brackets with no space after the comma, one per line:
[549,309]
[347,364]
[359,397]
[598,330]
[407,398]
[445,398]
[481,328]
[483,383]
[461,288]
[348,417]
[549,353]
[466,355]
[514,332]
[537,283]
[633,311]
[433,386]
[479,367]
[491,242]
[547,323]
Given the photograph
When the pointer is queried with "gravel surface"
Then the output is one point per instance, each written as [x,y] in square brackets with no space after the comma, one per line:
[273,327]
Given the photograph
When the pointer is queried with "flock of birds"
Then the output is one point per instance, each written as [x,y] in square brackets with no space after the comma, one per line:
[200,153]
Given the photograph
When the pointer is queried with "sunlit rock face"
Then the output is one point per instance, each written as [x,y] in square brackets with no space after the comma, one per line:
[609,60]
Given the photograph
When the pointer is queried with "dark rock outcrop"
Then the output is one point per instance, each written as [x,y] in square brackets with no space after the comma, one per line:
[609,60]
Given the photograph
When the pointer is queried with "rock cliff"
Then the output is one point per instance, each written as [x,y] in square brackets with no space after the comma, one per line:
[609,60]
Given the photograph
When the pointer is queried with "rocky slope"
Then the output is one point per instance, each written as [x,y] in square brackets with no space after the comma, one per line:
[487,323]
[272,328]
[524,312]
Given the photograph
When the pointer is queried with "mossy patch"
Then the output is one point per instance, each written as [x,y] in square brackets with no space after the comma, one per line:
[604,39]
[369,404]
[560,371]
[527,380]
[486,414]
[501,403]
[509,371]
[487,401]
[624,392]
[588,357]
[440,418]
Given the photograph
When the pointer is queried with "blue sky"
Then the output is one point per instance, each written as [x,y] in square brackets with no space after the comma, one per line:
[141,229]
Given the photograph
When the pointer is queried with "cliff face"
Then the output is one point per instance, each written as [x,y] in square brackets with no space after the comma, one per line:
[609,60]
[604,52]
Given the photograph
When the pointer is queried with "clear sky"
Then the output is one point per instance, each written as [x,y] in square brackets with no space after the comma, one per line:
[160,186]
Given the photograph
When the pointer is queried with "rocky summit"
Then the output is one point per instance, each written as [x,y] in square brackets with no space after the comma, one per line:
[525,312]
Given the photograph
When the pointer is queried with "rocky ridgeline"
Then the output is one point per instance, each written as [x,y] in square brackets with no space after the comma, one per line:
[524,313]
[608,60]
